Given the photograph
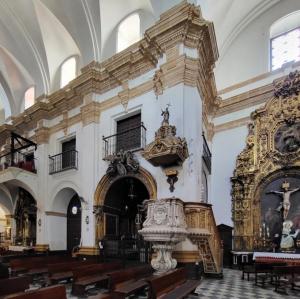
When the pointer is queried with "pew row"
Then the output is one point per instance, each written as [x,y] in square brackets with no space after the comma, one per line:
[52,292]
[14,285]
[92,274]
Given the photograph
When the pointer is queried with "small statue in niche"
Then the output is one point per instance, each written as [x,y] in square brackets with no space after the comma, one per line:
[285,204]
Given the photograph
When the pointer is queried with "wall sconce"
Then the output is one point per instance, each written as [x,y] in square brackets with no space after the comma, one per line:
[87,220]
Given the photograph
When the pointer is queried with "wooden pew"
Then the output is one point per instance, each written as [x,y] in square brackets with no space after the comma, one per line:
[14,285]
[53,292]
[124,283]
[23,265]
[172,285]
[92,274]
[64,271]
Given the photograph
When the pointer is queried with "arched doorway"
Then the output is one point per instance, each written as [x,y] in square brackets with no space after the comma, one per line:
[122,208]
[25,216]
[102,196]
[74,223]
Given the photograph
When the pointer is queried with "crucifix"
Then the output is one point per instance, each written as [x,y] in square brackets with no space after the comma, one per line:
[285,204]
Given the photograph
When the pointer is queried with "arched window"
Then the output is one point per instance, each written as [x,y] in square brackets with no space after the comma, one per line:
[285,40]
[29,97]
[129,32]
[68,71]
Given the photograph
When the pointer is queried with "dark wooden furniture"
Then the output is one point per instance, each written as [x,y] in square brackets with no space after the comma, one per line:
[23,265]
[247,269]
[264,272]
[286,276]
[92,274]
[172,285]
[14,285]
[64,271]
[53,292]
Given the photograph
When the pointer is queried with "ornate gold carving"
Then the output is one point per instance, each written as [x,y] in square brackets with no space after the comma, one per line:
[289,86]
[262,158]
[103,186]
[203,232]
[167,149]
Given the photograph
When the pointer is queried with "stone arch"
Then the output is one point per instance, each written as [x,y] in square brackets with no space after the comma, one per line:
[57,216]
[262,184]
[106,182]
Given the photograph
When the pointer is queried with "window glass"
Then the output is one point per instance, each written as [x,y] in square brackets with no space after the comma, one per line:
[68,71]
[129,32]
[29,97]
[285,48]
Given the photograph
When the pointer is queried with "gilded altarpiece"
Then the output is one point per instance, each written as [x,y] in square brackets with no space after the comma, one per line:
[268,168]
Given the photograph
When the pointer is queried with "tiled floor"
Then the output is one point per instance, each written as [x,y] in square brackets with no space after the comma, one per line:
[233,287]
[230,287]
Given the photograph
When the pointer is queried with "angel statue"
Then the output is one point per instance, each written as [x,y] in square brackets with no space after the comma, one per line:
[165,114]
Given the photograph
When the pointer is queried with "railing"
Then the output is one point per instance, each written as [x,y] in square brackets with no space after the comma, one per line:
[127,249]
[206,155]
[19,160]
[131,139]
[63,161]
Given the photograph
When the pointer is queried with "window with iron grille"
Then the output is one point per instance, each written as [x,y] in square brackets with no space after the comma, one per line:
[129,133]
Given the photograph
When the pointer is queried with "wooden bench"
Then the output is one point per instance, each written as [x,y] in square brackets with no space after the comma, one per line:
[53,292]
[14,285]
[286,276]
[90,275]
[129,281]
[264,272]
[172,285]
[124,283]
[23,265]
[64,271]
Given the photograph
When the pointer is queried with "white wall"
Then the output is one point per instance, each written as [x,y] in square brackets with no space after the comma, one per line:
[226,146]
[249,54]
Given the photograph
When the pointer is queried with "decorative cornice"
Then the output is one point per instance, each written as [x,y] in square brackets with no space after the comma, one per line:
[232,124]
[245,100]
[181,24]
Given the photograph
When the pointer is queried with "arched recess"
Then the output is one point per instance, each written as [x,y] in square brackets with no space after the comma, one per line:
[25,214]
[265,206]
[107,181]
[59,224]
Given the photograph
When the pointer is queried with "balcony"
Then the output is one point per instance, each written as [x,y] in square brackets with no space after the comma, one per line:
[18,160]
[206,155]
[133,139]
[63,161]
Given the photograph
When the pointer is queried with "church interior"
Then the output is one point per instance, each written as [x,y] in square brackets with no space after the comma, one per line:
[149,149]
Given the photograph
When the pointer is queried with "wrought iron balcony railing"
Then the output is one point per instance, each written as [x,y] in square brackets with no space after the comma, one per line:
[206,155]
[19,160]
[132,139]
[63,161]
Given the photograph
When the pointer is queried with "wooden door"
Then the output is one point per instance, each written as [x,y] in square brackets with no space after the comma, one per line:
[74,223]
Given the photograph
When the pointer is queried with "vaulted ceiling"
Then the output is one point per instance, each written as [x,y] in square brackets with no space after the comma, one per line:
[37,36]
